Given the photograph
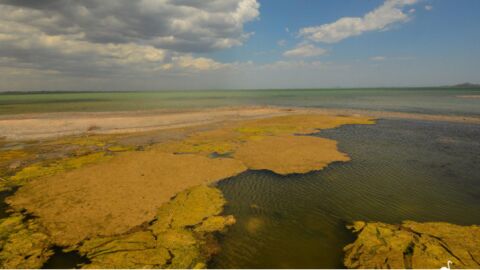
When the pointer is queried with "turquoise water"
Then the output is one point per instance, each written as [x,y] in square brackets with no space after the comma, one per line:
[400,170]
[421,100]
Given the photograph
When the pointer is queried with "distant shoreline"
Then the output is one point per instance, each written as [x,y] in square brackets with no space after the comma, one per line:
[469,96]
[34,92]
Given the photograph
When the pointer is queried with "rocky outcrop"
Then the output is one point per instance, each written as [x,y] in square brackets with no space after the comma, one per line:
[413,245]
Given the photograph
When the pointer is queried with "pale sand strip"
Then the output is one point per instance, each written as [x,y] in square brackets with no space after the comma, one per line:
[51,125]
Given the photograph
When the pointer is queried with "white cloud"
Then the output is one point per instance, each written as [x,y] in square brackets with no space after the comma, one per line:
[390,12]
[378,58]
[305,50]
[190,62]
[119,37]
[411,11]
[428,7]
[282,42]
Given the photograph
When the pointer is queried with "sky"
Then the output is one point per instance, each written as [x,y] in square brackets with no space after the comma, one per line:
[236,44]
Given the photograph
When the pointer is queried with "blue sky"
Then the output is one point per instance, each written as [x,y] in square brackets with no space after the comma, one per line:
[183,44]
[449,32]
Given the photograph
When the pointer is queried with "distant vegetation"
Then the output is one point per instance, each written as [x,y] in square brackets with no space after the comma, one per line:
[466,85]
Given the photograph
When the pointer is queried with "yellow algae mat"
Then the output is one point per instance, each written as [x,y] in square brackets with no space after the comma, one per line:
[413,245]
[124,192]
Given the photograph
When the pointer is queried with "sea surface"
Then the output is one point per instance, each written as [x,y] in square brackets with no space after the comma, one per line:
[400,170]
[416,100]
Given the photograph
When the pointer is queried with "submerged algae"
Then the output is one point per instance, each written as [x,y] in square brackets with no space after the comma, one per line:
[176,239]
[413,245]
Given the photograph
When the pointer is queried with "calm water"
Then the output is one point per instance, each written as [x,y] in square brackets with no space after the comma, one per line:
[423,100]
[422,171]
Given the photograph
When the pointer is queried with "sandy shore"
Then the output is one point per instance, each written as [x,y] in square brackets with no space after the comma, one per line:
[51,125]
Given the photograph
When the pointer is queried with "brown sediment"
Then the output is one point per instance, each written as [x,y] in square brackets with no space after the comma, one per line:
[413,245]
[117,195]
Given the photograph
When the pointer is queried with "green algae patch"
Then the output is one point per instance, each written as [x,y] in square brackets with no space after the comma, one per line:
[120,148]
[177,238]
[9,155]
[110,198]
[215,223]
[296,124]
[252,142]
[292,154]
[220,141]
[37,170]
[413,245]
[23,244]
[191,207]
[9,159]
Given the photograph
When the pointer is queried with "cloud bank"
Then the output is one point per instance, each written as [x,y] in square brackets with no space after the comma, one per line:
[99,37]
[389,13]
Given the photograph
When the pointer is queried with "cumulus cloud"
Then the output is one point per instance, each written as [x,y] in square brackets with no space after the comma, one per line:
[182,25]
[118,37]
[305,50]
[378,58]
[389,13]
[428,7]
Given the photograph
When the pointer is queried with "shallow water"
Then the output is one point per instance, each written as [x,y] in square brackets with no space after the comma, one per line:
[422,171]
[64,260]
[4,207]
[416,100]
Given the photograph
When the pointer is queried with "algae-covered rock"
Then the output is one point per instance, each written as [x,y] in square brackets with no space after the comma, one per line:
[413,245]
[22,245]
[179,237]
